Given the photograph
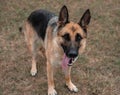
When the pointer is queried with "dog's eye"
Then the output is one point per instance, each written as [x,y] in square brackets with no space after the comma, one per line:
[66,37]
[78,37]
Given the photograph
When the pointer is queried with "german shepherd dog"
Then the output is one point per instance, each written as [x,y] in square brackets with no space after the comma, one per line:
[58,39]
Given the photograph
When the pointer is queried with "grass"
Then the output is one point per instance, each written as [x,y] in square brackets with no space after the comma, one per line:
[97,72]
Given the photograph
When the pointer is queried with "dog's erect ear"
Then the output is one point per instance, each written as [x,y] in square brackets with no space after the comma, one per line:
[63,16]
[85,20]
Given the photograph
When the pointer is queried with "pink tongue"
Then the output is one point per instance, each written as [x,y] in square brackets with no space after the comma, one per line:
[65,61]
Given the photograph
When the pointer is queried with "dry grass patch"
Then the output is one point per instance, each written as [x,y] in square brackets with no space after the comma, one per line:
[97,72]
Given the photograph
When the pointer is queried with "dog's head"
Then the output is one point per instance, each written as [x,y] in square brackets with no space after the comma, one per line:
[72,35]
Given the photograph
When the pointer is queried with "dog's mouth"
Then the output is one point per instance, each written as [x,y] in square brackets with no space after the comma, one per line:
[67,61]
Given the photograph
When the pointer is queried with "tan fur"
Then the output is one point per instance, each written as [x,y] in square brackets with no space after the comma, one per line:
[69,29]
[32,39]
[53,51]
[77,29]
[58,40]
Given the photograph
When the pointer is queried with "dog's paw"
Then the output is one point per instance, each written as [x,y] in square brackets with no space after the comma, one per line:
[33,72]
[52,91]
[72,87]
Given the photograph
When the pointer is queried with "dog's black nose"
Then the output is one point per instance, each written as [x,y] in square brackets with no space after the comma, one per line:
[73,53]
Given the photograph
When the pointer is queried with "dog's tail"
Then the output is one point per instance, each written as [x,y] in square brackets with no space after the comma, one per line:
[20,29]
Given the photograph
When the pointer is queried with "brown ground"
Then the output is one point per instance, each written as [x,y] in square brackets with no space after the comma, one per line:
[97,72]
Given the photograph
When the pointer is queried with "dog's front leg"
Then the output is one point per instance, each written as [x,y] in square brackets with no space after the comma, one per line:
[69,83]
[51,86]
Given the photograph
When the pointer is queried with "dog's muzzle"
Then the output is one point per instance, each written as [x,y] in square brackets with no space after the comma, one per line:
[72,54]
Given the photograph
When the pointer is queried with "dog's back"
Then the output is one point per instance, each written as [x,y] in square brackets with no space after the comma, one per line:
[39,20]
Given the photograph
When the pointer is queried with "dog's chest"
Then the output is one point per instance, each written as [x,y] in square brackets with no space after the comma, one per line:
[57,55]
